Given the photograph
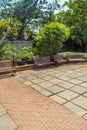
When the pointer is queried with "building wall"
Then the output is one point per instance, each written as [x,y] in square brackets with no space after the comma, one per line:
[21,44]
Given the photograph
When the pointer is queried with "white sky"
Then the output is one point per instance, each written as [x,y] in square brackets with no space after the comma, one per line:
[62,1]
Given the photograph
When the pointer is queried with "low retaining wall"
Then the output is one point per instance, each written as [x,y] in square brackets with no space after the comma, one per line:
[24,67]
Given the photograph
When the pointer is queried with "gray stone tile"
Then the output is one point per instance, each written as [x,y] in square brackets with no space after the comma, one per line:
[55,89]
[85,116]
[75,81]
[45,84]
[37,80]
[80,73]
[29,77]
[42,90]
[6,123]
[85,94]
[40,75]
[51,73]
[74,75]
[47,77]
[58,99]
[79,89]
[79,111]
[2,110]
[20,78]
[82,78]
[81,101]
[66,85]
[84,84]
[67,94]
[28,83]
[57,75]
[84,71]
[34,86]
[45,92]
[69,72]
[55,81]
[65,78]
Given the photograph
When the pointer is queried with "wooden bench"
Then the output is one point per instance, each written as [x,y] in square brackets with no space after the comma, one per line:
[6,66]
[42,61]
[58,59]
[75,58]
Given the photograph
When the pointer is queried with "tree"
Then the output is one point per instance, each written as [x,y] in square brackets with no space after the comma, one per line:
[49,8]
[76,18]
[51,37]
[23,11]
[27,10]
[3,27]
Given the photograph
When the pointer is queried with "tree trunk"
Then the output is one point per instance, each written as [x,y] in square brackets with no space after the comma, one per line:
[86,47]
[20,33]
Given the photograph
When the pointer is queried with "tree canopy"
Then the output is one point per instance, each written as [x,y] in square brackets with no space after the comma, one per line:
[76,18]
[51,37]
[25,11]
[24,16]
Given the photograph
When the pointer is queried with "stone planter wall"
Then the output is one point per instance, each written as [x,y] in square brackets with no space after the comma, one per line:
[24,67]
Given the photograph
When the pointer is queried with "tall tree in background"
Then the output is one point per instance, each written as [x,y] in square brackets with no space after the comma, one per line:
[76,18]
[27,10]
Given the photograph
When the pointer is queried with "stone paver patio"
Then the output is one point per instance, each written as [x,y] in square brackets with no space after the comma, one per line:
[67,85]
[45,99]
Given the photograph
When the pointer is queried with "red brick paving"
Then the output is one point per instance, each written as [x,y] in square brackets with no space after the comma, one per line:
[33,111]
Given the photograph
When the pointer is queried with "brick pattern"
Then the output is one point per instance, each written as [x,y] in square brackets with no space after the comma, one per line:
[33,111]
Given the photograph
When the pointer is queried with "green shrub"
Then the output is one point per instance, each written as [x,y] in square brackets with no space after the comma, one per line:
[50,39]
[68,53]
[25,52]
[7,51]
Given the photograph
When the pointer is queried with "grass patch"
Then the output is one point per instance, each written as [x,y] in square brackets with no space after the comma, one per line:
[68,53]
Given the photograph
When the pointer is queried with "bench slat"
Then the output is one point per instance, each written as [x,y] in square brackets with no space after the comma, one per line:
[41,61]
[59,59]
[6,67]
[76,58]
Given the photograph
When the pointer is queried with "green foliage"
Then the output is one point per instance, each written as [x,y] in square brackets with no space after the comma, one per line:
[1,50]
[69,53]
[26,11]
[3,27]
[76,18]
[50,39]
[6,51]
[25,52]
